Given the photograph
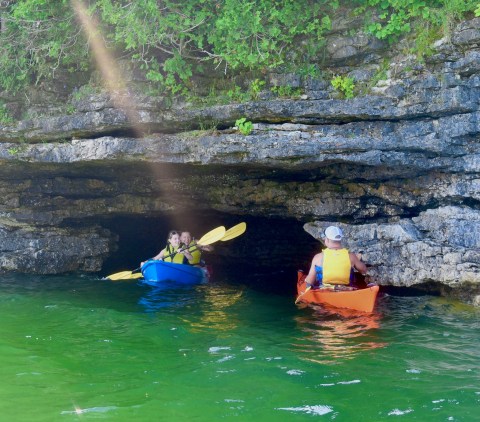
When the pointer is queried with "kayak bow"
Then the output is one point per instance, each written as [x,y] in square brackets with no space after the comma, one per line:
[160,271]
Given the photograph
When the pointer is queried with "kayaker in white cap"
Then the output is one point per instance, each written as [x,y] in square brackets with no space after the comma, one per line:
[333,266]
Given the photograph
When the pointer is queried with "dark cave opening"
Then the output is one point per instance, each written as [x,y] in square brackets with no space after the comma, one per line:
[268,254]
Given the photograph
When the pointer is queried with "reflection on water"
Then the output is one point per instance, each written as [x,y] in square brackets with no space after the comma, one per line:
[211,301]
[330,336]
[214,313]
[166,296]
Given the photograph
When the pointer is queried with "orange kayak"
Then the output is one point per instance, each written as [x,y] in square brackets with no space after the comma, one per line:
[359,300]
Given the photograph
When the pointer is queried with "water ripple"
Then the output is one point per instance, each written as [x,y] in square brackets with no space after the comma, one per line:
[318,409]
[99,409]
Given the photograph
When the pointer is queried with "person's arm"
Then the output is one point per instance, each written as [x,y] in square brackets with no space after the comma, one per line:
[359,265]
[157,257]
[195,258]
[187,254]
[311,277]
[160,255]
[206,248]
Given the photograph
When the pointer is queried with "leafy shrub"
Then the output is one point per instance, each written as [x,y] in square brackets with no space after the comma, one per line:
[237,95]
[244,126]
[398,17]
[344,84]
[255,88]
[39,37]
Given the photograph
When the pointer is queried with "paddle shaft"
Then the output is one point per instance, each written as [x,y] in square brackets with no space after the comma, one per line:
[302,294]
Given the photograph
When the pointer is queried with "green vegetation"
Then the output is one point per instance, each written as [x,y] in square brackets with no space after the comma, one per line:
[244,126]
[237,95]
[255,88]
[345,85]
[422,21]
[287,91]
[381,74]
[85,91]
[70,109]
[232,34]
[398,17]
[172,40]
[5,117]
[40,36]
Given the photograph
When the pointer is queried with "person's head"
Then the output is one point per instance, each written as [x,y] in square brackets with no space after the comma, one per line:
[185,238]
[174,238]
[333,236]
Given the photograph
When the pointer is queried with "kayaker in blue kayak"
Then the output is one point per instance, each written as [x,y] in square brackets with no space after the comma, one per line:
[186,243]
[195,249]
[172,252]
[333,266]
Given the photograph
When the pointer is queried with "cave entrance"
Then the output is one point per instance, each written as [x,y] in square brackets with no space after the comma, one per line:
[268,253]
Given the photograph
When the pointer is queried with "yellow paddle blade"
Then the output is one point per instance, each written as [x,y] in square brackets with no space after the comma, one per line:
[119,276]
[234,231]
[212,236]
[124,275]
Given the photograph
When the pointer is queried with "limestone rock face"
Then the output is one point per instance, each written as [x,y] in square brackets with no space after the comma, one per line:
[397,166]
[52,250]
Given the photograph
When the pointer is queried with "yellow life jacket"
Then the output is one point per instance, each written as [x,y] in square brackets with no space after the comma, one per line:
[196,253]
[336,266]
[178,258]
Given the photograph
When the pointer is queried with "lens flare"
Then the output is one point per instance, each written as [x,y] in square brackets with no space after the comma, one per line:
[117,87]
[112,77]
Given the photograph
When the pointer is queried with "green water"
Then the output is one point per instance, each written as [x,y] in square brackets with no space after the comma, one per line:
[77,348]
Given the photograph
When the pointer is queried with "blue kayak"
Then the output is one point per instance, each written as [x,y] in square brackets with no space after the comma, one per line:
[160,271]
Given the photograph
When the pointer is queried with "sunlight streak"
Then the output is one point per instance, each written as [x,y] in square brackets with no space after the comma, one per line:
[112,77]
[121,96]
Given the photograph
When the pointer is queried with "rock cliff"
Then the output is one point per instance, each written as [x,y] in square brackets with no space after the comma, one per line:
[398,165]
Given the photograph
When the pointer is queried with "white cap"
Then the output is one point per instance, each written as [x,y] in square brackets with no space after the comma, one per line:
[333,233]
